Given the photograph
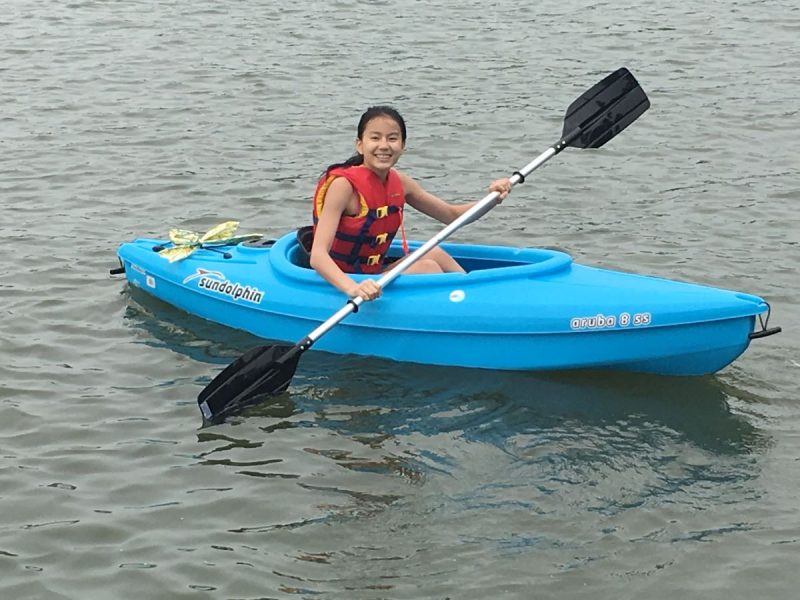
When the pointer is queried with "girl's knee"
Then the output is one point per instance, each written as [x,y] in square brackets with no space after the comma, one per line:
[432,266]
[425,265]
[447,264]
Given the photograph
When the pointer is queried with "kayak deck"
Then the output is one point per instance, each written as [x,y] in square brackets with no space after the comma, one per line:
[515,308]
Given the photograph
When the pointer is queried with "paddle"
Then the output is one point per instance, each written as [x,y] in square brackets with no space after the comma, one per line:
[591,121]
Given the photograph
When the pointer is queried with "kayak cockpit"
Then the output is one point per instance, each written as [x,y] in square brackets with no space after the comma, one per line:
[289,258]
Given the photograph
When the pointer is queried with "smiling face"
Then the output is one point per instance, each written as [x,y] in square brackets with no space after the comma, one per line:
[381,144]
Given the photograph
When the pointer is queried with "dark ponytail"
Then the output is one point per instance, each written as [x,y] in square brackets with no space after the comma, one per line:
[369,114]
[353,161]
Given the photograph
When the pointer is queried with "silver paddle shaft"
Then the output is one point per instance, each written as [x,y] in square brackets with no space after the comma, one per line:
[473,214]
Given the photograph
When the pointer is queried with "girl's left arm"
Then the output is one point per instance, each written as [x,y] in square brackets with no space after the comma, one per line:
[438,209]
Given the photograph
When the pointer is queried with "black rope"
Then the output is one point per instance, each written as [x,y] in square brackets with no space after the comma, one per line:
[765,321]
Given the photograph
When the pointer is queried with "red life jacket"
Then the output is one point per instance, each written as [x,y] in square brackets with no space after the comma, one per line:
[362,241]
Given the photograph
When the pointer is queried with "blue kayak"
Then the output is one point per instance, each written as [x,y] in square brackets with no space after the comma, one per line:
[515,308]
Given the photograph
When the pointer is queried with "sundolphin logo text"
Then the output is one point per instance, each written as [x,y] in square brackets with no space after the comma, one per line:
[216,281]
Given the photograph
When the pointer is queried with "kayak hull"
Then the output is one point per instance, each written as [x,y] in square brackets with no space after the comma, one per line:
[515,309]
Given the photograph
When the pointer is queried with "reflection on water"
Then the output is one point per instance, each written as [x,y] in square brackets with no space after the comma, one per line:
[375,401]
[382,475]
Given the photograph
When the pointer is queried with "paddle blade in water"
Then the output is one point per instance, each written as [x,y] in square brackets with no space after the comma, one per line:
[605,110]
[257,374]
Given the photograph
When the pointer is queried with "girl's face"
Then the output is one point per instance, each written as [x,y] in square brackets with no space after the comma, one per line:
[381,144]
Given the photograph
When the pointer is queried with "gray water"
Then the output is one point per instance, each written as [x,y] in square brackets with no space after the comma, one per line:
[372,479]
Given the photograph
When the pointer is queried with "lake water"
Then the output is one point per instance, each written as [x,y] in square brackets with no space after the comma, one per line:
[372,479]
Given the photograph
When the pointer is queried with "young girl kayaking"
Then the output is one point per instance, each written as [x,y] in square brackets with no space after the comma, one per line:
[358,208]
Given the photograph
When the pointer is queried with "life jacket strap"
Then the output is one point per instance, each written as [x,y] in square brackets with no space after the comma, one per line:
[371,260]
[381,238]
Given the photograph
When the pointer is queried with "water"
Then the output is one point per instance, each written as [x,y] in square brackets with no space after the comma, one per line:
[372,479]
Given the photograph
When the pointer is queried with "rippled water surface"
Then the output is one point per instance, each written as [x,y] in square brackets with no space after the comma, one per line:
[372,479]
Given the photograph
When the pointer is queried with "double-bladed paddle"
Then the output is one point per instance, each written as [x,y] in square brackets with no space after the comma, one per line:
[591,120]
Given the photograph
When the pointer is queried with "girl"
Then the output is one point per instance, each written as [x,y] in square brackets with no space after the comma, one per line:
[358,208]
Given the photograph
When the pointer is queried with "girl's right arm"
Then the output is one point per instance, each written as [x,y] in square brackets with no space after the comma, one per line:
[337,199]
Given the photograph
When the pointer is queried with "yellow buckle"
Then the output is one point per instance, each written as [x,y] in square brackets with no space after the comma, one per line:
[381,212]
[381,238]
[373,260]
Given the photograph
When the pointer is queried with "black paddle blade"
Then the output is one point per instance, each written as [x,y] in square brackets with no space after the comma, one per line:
[604,111]
[257,374]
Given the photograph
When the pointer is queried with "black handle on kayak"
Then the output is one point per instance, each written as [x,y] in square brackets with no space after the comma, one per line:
[763,333]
